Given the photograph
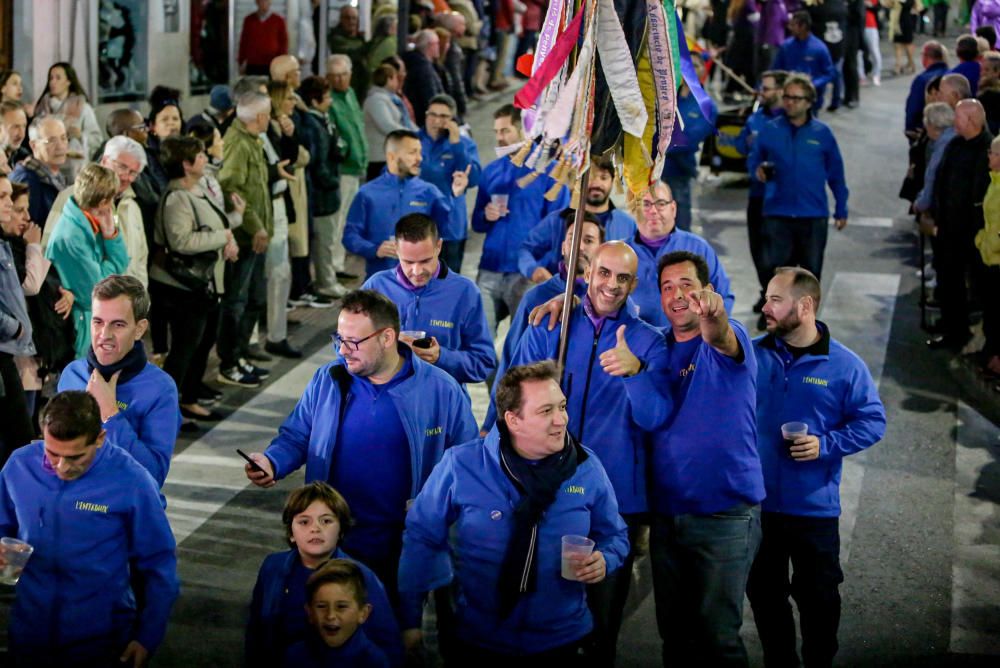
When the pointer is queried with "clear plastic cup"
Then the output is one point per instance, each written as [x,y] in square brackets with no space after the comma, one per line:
[500,201]
[574,550]
[14,554]
[413,333]
[790,431]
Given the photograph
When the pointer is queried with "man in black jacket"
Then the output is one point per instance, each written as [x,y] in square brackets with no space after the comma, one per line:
[422,81]
[959,189]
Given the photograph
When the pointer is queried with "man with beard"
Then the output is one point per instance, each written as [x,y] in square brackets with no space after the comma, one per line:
[591,237]
[804,52]
[380,203]
[657,235]
[137,399]
[451,162]
[375,386]
[614,374]
[506,212]
[706,481]
[804,375]
[442,303]
[539,256]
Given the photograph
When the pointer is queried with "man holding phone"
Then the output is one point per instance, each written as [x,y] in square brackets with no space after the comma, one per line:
[434,299]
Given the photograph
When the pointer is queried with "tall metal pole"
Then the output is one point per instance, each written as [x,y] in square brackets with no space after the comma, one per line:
[574,253]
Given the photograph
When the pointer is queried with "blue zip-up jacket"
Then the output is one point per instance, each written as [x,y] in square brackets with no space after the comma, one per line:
[435,413]
[805,160]
[808,56]
[440,160]
[449,308]
[527,207]
[543,245]
[748,135]
[705,460]
[970,69]
[358,652]
[536,296]
[831,390]
[647,292]
[925,198]
[148,420]
[377,208]
[91,535]
[609,414]
[470,499]
[264,627]
[917,98]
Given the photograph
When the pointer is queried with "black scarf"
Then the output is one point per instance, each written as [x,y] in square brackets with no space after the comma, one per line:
[130,365]
[538,483]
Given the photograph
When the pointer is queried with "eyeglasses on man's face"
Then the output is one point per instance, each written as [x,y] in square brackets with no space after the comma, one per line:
[340,341]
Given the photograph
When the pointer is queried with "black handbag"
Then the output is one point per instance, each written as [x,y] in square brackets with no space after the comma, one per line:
[196,271]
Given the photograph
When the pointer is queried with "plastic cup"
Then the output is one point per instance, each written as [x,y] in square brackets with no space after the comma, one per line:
[500,200]
[574,550]
[790,431]
[413,333]
[15,554]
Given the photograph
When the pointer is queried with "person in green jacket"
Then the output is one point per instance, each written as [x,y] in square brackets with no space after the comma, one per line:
[347,115]
[244,172]
[86,246]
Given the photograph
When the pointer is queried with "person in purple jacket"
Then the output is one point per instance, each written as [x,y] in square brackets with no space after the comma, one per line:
[804,375]
[770,30]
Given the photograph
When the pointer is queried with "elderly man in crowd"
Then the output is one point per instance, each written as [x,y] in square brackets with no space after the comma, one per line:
[935,64]
[346,38]
[422,81]
[41,172]
[13,130]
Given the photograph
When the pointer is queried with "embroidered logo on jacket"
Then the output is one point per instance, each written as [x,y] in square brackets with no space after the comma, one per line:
[442,323]
[91,507]
[815,381]
[433,431]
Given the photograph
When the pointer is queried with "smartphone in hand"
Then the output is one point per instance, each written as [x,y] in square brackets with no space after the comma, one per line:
[254,465]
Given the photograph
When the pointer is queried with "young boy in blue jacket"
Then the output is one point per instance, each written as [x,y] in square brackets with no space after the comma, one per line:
[381,202]
[315,516]
[338,610]
[138,400]
[95,519]
[434,299]
[804,375]
[491,518]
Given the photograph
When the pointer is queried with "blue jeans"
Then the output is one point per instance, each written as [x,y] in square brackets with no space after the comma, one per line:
[700,568]
[812,545]
[681,186]
[242,305]
[501,293]
[791,242]
[452,253]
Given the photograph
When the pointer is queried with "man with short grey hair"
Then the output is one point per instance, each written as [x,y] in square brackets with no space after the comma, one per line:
[49,147]
[244,172]
[345,112]
[126,158]
[954,88]
[422,81]
[939,123]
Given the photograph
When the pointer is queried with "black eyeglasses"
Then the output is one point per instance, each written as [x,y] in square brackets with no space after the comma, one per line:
[339,341]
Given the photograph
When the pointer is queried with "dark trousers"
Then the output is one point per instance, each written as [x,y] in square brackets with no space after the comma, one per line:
[193,320]
[452,254]
[607,599]
[955,255]
[812,544]
[989,289]
[789,242]
[755,225]
[700,569]
[852,78]
[940,19]
[242,304]
[465,655]
[16,425]
[374,170]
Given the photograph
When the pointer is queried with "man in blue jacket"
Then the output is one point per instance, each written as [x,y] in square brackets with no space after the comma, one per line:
[772,85]
[138,400]
[95,519]
[805,53]
[935,65]
[505,211]
[540,254]
[377,386]
[384,200]
[615,372]
[706,482]
[804,375]
[491,518]
[451,162]
[656,236]
[803,158]
[592,237]
[41,172]
[438,301]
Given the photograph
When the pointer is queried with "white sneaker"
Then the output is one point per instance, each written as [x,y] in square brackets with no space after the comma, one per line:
[336,292]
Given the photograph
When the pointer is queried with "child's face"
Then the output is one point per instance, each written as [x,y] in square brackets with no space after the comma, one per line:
[335,613]
[315,532]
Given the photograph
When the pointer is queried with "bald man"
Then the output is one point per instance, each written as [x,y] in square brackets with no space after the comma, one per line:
[959,189]
[286,68]
[615,371]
